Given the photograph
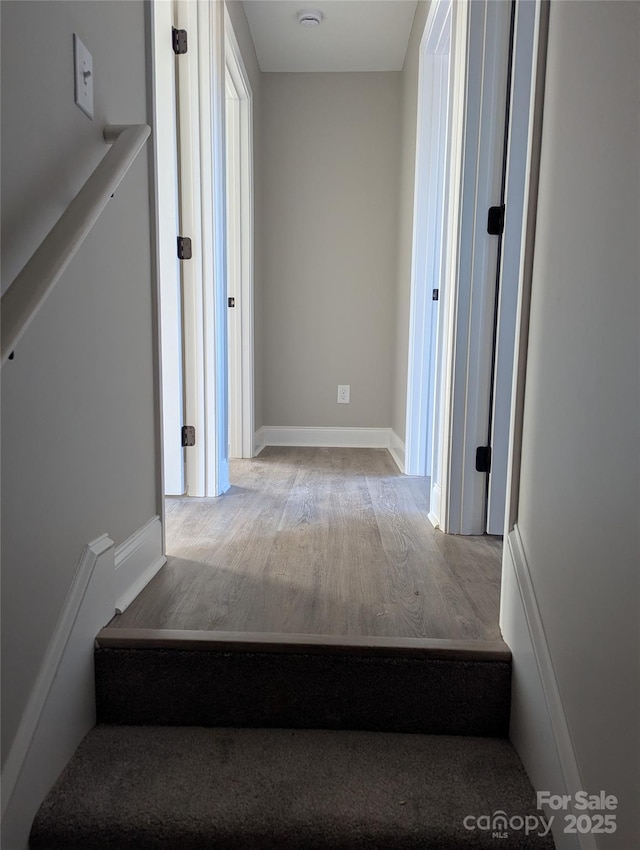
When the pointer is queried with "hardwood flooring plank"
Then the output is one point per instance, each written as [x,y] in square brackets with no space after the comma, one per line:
[427,593]
[320,542]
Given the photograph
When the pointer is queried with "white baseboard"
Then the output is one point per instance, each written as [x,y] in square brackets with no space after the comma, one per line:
[436,498]
[137,560]
[258,442]
[539,729]
[61,706]
[397,449]
[364,438]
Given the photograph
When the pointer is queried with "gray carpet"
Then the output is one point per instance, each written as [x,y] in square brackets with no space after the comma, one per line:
[297,690]
[251,789]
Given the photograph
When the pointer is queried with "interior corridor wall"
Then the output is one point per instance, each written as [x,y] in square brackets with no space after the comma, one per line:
[330,148]
[79,435]
[579,508]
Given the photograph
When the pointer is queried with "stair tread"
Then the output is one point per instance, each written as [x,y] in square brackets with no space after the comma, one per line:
[290,789]
[140,638]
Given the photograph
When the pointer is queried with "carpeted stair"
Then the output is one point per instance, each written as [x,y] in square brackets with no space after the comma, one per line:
[341,748]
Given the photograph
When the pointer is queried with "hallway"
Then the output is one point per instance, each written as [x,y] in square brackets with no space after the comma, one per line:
[320,541]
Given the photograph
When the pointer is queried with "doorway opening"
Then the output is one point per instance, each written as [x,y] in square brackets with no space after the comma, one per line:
[462,318]
[464,67]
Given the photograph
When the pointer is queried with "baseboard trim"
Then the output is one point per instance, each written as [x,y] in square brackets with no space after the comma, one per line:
[137,560]
[327,437]
[558,766]
[54,722]
[397,449]
[258,442]
[436,497]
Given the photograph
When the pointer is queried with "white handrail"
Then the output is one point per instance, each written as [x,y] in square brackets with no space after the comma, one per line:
[29,290]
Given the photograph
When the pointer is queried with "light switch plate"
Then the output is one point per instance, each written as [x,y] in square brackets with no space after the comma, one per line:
[83,68]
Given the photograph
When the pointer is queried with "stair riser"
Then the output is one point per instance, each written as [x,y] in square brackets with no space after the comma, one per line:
[288,690]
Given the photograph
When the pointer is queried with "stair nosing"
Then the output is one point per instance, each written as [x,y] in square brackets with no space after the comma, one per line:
[212,641]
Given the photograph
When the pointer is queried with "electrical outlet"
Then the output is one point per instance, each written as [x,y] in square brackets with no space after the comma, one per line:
[344,390]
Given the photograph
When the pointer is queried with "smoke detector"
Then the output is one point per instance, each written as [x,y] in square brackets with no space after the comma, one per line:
[309,18]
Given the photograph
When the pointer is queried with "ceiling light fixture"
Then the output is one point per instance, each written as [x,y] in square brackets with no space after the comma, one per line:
[309,18]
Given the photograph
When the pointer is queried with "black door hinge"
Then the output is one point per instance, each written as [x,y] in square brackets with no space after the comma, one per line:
[184,248]
[231,301]
[495,221]
[435,294]
[179,40]
[188,436]
[483,459]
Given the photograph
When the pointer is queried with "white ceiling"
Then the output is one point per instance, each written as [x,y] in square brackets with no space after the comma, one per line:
[355,35]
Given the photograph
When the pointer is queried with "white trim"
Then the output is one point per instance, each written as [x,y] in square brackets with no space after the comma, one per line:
[202,213]
[258,442]
[212,199]
[237,71]
[211,15]
[471,341]
[429,234]
[137,560]
[445,376]
[514,241]
[539,727]
[167,265]
[364,438]
[434,504]
[61,706]
[190,215]
[397,450]
[534,144]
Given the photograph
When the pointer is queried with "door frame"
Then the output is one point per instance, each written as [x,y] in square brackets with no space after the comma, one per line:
[520,168]
[240,250]
[201,88]
[165,148]
[472,319]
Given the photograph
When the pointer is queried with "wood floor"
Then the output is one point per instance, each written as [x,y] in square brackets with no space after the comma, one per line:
[320,541]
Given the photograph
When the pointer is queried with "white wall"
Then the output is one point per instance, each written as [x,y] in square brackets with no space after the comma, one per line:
[579,508]
[78,401]
[405,217]
[247,49]
[331,148]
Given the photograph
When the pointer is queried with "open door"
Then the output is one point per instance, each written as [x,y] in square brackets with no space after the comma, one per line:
[239,185]
[200,74]
[170,301]
[427,281]
[470,308]
[516,187]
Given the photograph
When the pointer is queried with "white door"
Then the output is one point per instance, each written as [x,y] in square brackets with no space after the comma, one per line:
[201,122]
[170,298]
[516,189]
[470,307]
[427,282]
[234,266]
[239,172]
